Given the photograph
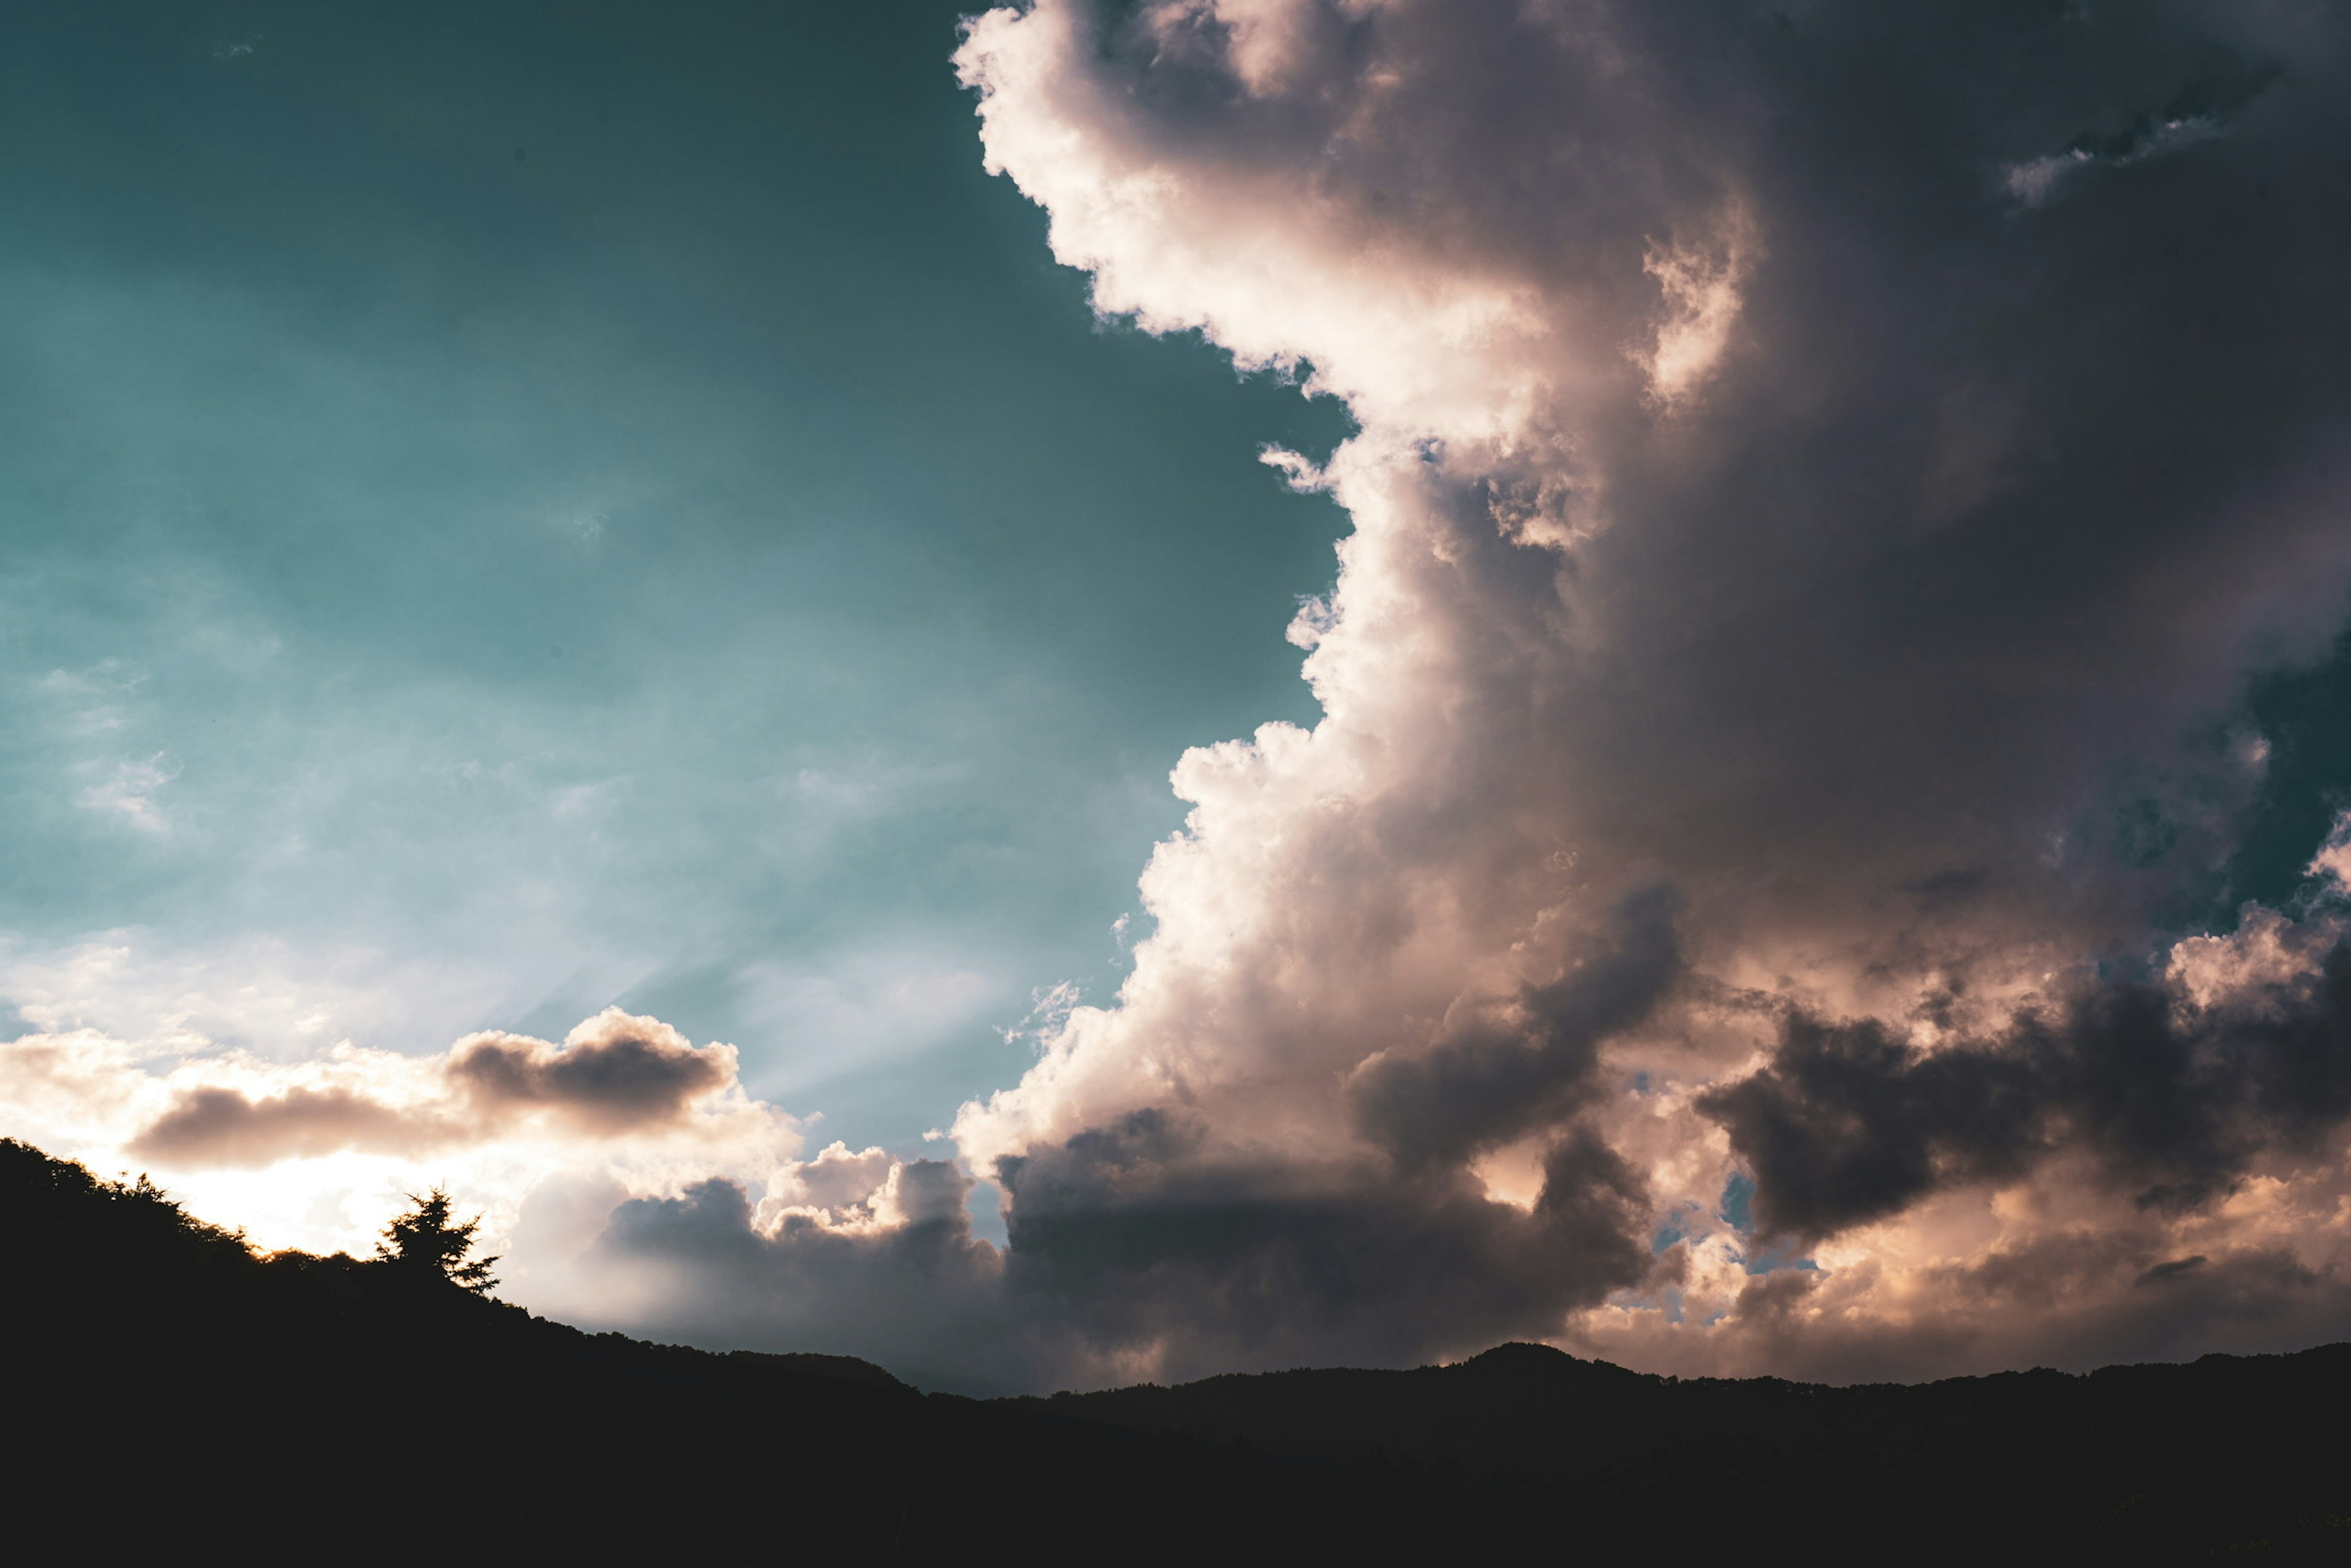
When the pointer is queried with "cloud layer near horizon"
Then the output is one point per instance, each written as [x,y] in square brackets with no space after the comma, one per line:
[1826,474]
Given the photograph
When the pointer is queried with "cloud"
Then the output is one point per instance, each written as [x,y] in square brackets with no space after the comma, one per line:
[615,1074]
[2173,1097]
[130,791]
[1758,514]
[915,1289]
[2199,110]
[221,1127]
[1494,1073]
[316,1152]
[1162,1255]
[624,1173]
[837,1180]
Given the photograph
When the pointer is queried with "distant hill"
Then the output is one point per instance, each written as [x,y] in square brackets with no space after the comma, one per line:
[169,1388]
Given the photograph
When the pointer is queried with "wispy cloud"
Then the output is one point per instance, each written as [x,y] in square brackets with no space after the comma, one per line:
[131,791]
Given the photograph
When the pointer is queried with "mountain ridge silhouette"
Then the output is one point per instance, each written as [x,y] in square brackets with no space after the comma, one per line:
[322,1391]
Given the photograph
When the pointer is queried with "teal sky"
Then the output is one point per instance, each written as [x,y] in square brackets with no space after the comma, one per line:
[515,509]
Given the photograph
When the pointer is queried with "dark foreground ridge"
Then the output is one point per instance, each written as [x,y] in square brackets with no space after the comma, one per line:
[170,1388]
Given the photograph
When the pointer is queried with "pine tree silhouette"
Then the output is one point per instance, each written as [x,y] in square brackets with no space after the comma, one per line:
[424,1240]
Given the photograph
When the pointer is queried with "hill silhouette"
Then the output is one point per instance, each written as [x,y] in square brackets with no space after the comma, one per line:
[199,1393]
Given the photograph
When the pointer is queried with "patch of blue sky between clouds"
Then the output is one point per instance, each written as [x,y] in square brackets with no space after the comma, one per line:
[1736,1210]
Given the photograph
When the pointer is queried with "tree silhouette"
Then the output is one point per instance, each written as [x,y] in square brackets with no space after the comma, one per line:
[424,1240]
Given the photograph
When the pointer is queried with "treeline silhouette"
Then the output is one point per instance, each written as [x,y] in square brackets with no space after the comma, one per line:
[171,1389]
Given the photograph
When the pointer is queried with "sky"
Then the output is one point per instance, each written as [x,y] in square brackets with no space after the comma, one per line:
[1114,691]
[517,510]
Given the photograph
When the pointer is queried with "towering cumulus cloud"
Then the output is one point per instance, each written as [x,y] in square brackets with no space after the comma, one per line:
[1825,473]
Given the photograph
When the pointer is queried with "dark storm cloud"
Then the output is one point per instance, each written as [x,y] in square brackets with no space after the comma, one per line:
[1125,1237]
[922,1292]
[1977,513]
[1490,1078]
[1850,1123]
[1136,1237]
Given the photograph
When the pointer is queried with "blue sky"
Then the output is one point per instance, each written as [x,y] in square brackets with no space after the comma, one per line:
[511,510]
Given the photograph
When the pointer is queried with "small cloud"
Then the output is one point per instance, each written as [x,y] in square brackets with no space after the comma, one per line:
[2163,1273]
[615,1072]
[587,802]
[1049,1012]
[1301,473]
[129,792]
[2035,181]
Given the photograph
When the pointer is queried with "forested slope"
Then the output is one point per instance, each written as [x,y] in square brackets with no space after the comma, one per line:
[351,1405]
